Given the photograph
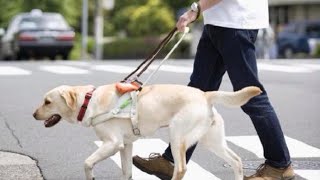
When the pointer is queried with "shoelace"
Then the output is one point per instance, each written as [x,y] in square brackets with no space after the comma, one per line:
[154,156]
[260,169]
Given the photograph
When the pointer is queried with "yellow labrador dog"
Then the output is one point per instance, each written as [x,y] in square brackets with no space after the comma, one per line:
[187,112]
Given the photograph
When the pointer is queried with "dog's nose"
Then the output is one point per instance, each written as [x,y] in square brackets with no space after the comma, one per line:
[35,115]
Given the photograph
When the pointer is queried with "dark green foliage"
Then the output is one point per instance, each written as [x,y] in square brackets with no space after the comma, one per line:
[140,47]
[138,17]
[70,9]
[141,22]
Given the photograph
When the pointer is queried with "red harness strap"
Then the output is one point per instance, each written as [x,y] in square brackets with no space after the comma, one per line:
[84,106]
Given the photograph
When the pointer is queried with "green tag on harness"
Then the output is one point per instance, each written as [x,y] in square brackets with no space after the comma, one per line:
[125,103]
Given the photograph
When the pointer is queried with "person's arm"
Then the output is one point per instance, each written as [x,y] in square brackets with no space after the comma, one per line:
[191,15]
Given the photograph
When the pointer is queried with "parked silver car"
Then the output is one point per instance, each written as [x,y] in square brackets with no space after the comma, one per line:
[37,34]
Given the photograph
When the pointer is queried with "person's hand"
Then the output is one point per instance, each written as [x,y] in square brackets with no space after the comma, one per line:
[186,19]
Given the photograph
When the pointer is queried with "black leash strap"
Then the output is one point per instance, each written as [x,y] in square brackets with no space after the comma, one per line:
[152,56]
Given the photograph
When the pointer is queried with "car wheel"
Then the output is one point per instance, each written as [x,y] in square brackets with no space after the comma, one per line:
[65,56]
[7,58]
[52,57]
[11,58]
[22,56]
[19,56]
[288,53]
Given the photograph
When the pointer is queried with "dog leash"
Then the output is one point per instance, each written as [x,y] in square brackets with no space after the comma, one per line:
[133,76]
[131,98]
[152,56]
[186,31]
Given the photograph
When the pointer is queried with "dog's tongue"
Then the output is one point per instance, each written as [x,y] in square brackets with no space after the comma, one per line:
[53,120]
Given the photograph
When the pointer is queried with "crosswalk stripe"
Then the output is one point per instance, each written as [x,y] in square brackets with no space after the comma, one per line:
[309,174]
[297,148]
[173,68]
[284,68]
[11,70]
[312,66]
[61,69]
[114,68]
[143,147]
[86,67]
[75,63]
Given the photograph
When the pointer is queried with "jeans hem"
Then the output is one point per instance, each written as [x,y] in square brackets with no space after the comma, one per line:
[278,165]
[167,158]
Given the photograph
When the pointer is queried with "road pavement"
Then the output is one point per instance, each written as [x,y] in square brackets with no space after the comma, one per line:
[17,166]
[58,153]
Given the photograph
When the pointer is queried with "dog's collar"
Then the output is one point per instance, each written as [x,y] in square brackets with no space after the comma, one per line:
[84,106]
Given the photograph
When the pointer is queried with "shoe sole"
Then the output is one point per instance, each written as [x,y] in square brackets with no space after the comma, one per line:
[161,176]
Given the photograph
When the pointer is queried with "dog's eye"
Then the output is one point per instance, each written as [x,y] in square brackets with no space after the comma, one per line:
[46,102]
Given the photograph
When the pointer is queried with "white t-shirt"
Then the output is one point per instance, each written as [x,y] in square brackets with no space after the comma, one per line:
[238,14]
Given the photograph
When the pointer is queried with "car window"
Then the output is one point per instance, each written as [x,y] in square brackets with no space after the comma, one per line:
[26,24]
[44,22]
[313,30]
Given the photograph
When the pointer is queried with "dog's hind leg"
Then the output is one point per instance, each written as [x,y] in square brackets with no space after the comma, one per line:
[214,140]
[106,150]
[126,161]
[229,156]
[178,148]
[186,128]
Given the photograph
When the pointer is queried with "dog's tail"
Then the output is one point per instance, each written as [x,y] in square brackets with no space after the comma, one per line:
[232,99]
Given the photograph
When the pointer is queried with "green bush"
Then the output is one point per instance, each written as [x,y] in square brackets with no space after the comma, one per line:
[76,50]
[108,28]
[122,18]
[91,44]
[75,53]
[152,18]
[317,53]
[140,48]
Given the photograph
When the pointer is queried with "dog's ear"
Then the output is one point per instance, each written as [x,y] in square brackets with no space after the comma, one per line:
[70,96]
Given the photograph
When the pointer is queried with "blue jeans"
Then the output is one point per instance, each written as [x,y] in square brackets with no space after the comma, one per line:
[230,50]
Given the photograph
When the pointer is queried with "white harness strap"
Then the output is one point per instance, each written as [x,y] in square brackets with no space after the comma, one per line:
[125,108]
[134,113]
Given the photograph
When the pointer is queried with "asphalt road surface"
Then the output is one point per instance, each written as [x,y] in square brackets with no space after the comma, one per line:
[293,88]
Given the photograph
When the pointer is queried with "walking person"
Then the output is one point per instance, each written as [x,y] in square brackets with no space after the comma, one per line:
[227,45]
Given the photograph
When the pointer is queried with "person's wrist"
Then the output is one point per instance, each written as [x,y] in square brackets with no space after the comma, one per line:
[192,15]
[195,7]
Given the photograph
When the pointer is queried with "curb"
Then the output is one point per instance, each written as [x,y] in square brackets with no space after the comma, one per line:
[14,166]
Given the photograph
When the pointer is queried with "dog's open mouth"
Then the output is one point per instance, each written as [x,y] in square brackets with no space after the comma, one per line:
[53,120]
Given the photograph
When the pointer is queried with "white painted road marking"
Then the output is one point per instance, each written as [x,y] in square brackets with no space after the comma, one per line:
[309,174]
[114,68]
[297,148]
[143,147]
[75,63]
[61,69]
[87,67]
[173,68]
[311,66]
[11,70]
[284,68]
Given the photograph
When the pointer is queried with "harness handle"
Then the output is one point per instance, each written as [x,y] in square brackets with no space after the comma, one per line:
[152,56]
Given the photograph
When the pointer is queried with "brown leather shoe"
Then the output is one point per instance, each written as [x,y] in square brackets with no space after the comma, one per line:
[266,172]
[155,165]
